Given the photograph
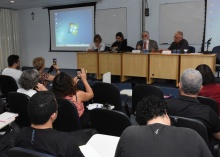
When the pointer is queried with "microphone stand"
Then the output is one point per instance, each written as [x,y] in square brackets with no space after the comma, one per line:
[208,43]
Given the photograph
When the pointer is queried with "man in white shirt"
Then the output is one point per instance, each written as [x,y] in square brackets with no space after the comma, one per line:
[146,43]
[12,69]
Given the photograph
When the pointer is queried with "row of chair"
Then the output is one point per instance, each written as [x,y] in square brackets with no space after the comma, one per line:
[111,123]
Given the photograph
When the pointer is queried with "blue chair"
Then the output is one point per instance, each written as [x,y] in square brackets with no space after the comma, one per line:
[23,152]
[216,50]
[191,49]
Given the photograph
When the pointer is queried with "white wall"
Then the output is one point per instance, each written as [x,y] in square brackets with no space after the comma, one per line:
[152,21]
[35,40]
[34,34]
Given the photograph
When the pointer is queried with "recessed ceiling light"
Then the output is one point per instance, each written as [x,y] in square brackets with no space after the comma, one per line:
[12,1]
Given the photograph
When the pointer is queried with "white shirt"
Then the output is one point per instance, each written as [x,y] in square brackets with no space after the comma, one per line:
[16,74]
[29,92]
[93,47]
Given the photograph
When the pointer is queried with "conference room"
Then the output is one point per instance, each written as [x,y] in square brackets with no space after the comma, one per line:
[38,30]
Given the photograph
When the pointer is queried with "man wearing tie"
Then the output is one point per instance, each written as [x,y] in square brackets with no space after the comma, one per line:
[146,43]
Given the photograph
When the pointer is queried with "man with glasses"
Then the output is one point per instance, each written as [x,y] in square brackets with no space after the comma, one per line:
[179,43]
[146,44]
[40,136]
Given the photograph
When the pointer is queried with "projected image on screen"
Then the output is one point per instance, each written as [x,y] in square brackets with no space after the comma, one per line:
[72,28]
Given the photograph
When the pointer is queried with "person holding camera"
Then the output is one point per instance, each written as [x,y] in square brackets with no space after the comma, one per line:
[64,86]
[39,65]
[29,83]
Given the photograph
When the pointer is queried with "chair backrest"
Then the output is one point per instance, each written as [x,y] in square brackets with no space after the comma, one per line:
[216,50]
[109,122]
[7,84]
[68,118]
[129,48]
[210,102]
[142,90]
[194,124]
[22,152]
[18,103]
[107,48]
[106,77]
[107,93]
[191,49]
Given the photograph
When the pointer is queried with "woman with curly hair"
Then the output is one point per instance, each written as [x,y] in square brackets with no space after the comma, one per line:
[65,87]
[29,83]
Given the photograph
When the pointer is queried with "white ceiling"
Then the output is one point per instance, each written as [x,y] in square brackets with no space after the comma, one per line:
[24,4]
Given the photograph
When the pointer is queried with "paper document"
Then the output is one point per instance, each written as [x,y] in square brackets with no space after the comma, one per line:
[100,146]
[7,116]
[94,105]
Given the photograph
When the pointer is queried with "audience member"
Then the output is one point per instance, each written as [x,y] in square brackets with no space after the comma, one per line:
[156,138]
[42,111]
[65,87]
[13,68]
[120,44]
[179,42]
[29,83]
[146,43]
[210,87]
[39,64]
[187,104]
[97,44]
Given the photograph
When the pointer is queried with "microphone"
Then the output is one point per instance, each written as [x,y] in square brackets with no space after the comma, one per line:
[208,42]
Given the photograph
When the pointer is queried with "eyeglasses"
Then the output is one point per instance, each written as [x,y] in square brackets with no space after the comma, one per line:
[176,37]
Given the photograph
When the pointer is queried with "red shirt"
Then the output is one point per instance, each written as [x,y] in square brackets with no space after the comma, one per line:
[212,91]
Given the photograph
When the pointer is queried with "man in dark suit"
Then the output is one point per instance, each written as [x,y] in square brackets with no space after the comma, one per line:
[146,43]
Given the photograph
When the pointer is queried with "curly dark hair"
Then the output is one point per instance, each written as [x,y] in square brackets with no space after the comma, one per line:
[207,74]
[148,108]
[63,85]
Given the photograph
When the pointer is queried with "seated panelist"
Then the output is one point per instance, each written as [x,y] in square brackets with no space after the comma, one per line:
[146,43]
[97,44]
[179,42]
[120,44]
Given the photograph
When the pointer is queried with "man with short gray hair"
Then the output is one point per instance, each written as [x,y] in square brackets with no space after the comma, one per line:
[187,104]
[146,43]
[179,42]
